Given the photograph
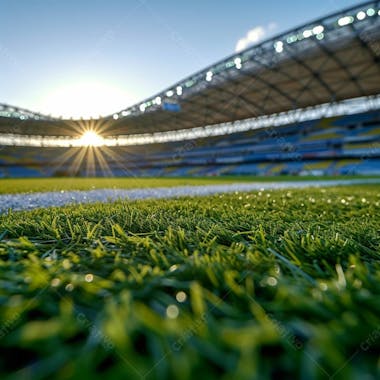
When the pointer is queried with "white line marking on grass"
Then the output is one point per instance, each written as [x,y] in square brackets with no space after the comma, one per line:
[17,202]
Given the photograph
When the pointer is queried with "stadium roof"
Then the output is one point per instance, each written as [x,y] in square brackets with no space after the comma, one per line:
[325,61]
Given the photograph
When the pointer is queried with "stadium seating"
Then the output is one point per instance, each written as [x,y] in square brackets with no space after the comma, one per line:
[337,145]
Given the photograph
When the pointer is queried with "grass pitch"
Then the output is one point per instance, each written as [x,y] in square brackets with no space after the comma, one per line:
[28,185]
[264,285]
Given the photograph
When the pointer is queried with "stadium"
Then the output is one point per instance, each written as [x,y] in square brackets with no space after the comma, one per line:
[306,101]
[262,259]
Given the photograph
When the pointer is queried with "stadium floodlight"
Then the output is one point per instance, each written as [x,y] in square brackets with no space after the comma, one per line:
[307,33]
[237,62]
[371,12]
[179,90]
[291,39]
[318,29]
[346,20]
[279,46]
[361,15]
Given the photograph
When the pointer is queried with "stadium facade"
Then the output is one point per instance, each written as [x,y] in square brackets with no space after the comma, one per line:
[304,102]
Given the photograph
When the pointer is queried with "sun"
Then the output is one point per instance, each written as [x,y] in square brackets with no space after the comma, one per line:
[91,138]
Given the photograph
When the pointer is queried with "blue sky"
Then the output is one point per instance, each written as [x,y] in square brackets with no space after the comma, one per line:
[114,53]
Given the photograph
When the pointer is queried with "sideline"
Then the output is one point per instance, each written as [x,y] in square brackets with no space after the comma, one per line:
[18,202]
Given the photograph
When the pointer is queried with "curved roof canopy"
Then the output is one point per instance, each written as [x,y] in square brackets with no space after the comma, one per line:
[328,60]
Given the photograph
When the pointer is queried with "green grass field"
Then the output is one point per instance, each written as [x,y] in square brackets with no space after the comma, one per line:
[23,185]
[261,285]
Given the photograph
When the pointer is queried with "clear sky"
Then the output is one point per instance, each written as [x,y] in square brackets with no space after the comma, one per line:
[90,57]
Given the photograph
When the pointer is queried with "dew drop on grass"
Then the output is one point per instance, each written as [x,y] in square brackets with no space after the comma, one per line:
[272,281]
[69,287]
[172,311]
[89,277]
[55,282]
[181,296]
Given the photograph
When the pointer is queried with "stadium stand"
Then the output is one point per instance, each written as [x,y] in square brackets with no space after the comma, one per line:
[338,145]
